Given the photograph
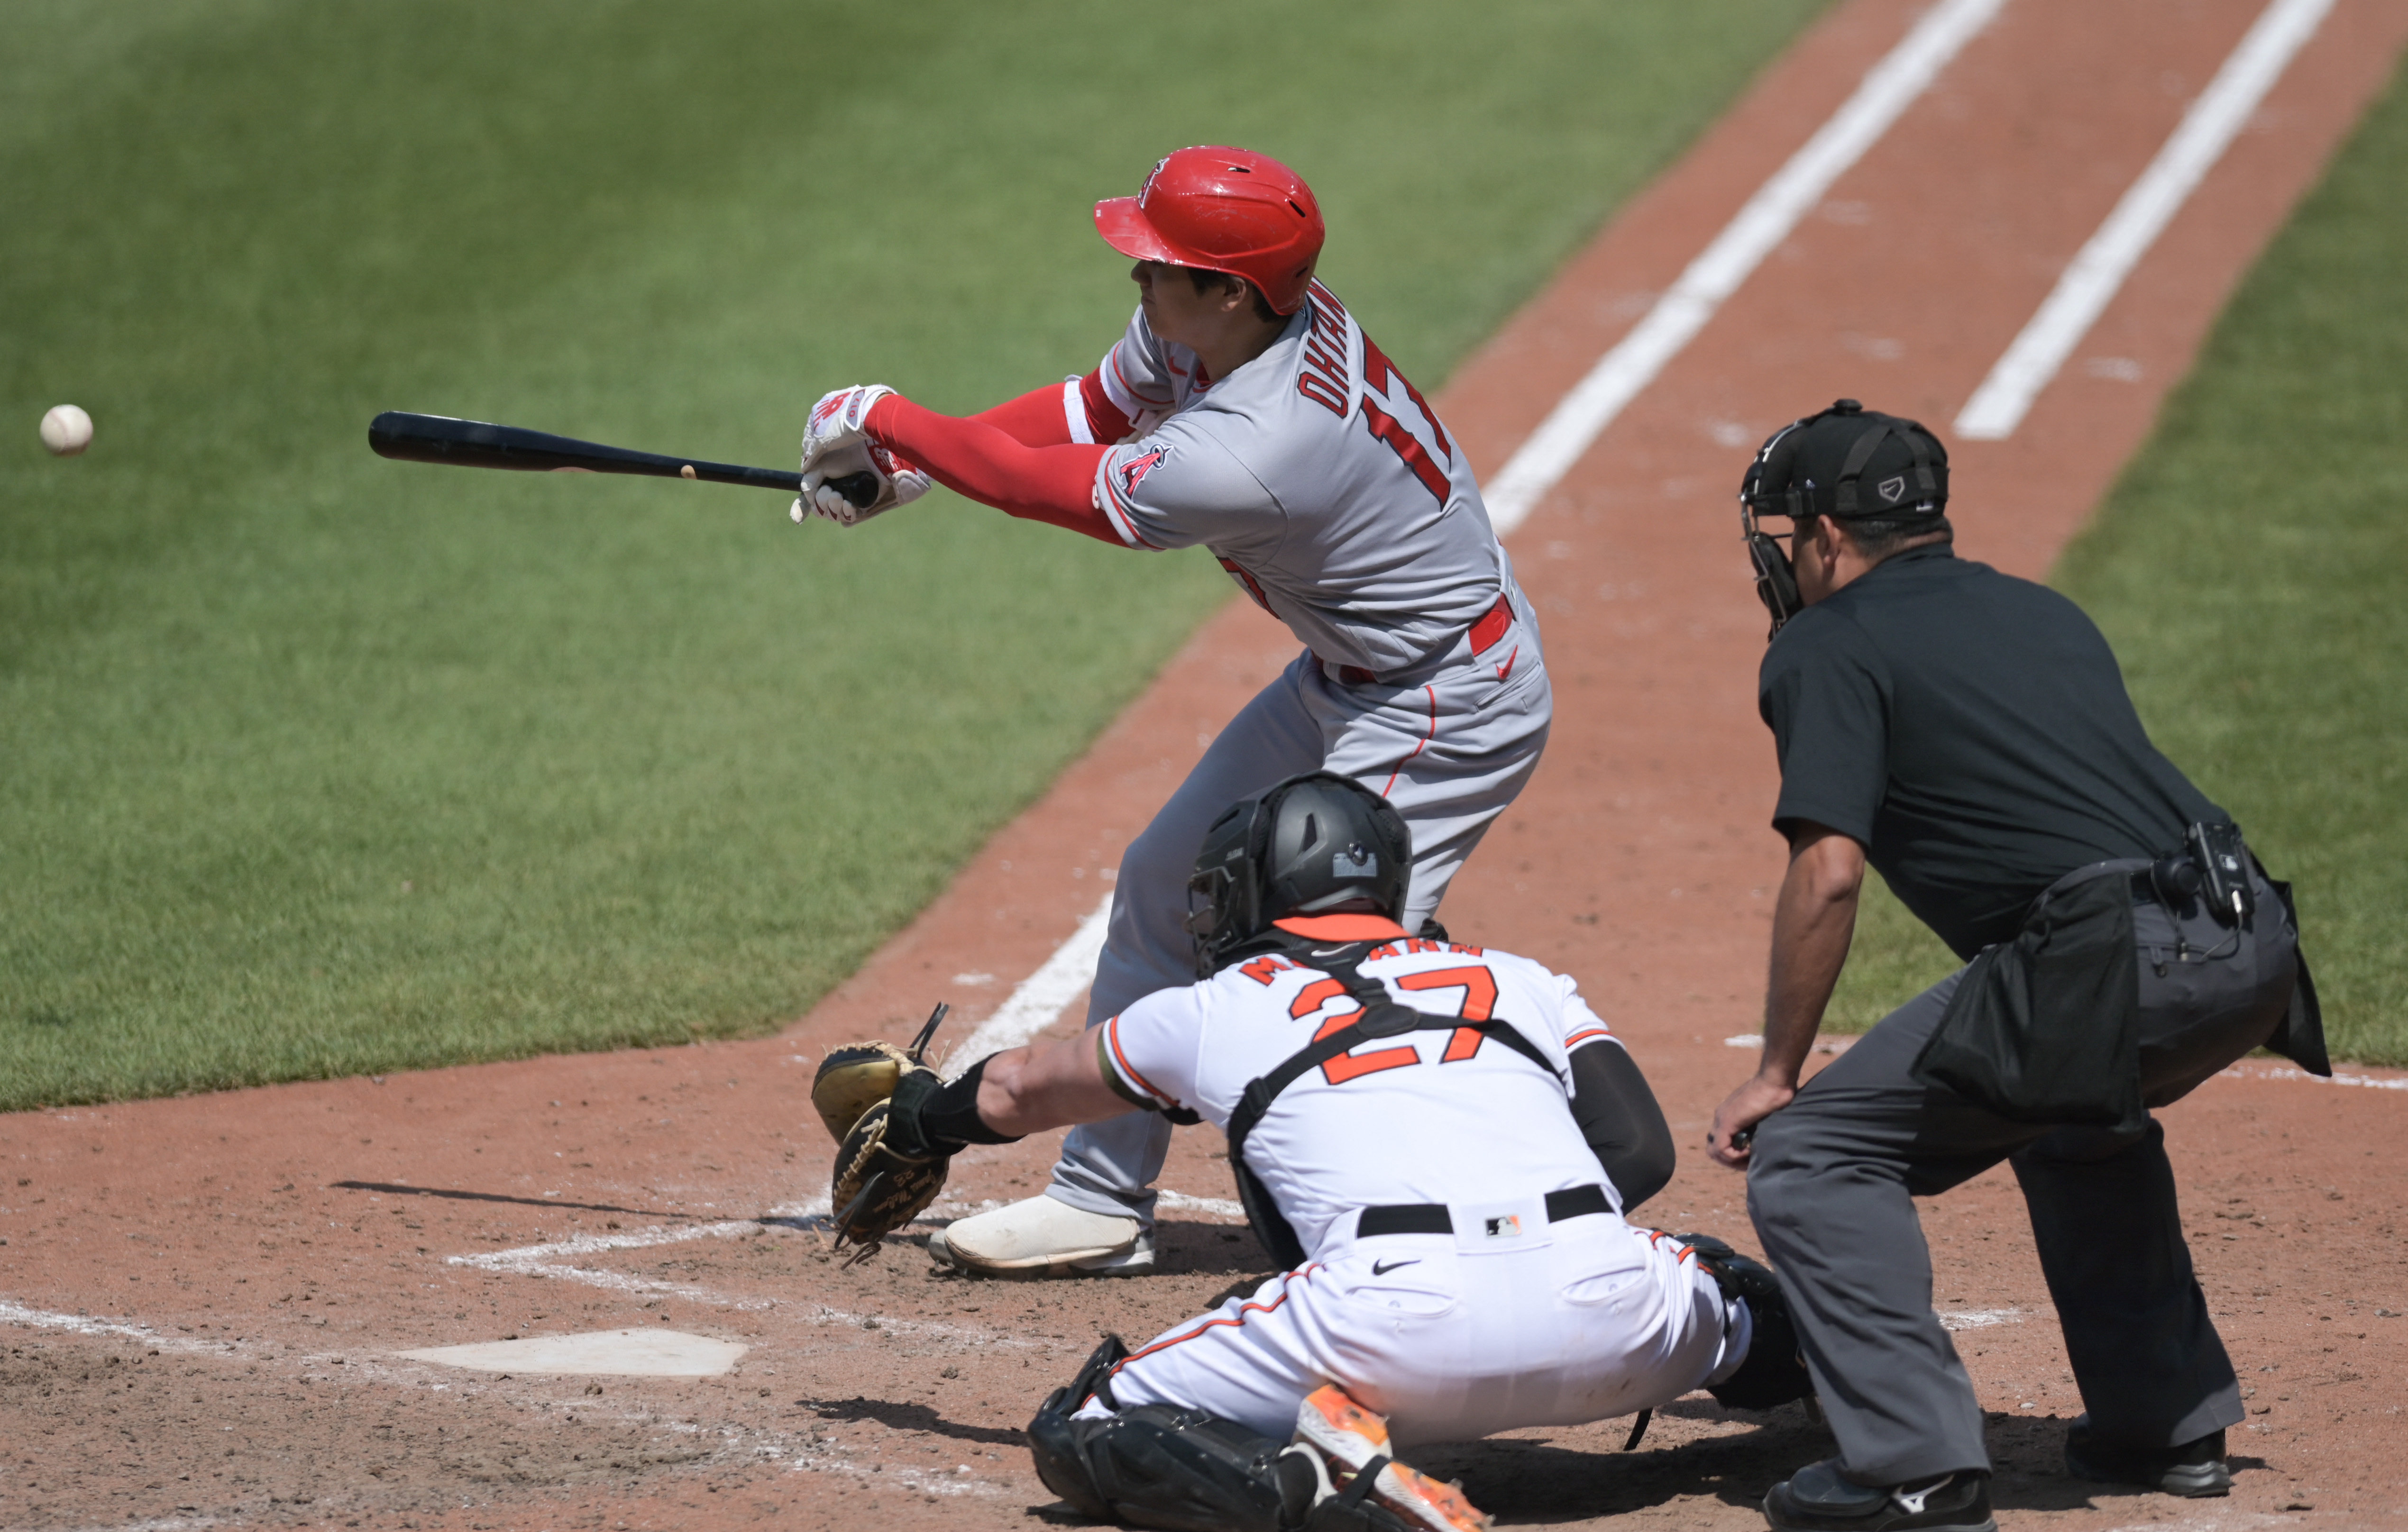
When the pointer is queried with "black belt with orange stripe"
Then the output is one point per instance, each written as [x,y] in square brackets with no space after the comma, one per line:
[1433,1218]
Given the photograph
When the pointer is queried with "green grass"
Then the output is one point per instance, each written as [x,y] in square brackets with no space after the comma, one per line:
[2248,569]
[318,764]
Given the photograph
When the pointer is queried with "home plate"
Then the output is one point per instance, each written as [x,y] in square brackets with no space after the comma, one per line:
[624,1354]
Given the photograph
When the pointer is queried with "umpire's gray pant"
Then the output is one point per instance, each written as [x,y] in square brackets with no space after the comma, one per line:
[1830,1179]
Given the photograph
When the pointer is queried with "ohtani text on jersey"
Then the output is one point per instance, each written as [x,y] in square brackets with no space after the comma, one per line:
[1323,378]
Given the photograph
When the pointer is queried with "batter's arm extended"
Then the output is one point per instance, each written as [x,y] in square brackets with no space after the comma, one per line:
[1056,484]
[1075,411]
[1812,925]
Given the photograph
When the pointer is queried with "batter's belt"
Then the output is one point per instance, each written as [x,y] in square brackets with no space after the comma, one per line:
[1485,635]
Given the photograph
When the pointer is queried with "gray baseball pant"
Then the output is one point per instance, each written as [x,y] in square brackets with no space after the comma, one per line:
[1831,1176]
[1449,752]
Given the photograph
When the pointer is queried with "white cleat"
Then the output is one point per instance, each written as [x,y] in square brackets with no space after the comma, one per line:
[1043,1237]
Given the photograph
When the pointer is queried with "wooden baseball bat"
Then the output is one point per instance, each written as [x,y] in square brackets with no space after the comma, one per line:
[474,444]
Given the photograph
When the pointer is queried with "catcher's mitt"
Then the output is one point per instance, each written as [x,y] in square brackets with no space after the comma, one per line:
[879,1187]
[858,1076]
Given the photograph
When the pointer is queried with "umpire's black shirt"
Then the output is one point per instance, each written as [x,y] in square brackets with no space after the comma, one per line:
[1972,731]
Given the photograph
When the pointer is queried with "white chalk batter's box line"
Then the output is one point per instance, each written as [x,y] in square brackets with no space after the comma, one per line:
[799,1453]
[2278,1072]
[554,1259]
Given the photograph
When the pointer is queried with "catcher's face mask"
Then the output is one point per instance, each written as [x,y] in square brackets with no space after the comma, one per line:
[1222,907]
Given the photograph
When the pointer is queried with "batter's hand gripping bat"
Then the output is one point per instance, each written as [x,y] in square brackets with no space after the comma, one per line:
[473,444]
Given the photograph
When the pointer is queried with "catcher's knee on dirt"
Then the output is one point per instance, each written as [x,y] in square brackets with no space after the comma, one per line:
[1773,1373]
[1182,1470]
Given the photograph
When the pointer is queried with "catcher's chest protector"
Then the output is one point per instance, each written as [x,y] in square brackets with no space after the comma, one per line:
[1380,1017]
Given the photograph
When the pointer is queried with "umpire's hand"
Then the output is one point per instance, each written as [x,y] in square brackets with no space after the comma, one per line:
[1735,1120]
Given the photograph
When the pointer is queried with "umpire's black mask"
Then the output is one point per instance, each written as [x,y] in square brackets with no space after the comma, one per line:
[1846,462]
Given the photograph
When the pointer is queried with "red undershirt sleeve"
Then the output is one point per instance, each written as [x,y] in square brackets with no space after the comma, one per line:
[1077,411]
[1055,483]
[1036,419]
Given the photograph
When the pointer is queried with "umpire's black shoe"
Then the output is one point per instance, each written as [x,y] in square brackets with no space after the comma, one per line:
[2195,1469]
[1818,1497]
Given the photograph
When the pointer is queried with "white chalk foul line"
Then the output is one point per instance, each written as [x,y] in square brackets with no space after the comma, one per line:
[2148,205]
[2371,1081]
[1889,87]
[1039,1000]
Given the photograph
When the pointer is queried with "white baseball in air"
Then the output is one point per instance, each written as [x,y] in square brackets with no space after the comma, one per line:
[66,430]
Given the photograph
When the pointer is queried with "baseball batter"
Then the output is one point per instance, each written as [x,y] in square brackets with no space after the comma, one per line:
[1474,1274]
[1244,410]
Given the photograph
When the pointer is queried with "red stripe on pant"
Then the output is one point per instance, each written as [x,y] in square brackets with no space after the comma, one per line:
[1431,693]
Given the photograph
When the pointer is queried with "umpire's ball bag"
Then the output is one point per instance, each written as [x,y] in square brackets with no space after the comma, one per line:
[2044,1028]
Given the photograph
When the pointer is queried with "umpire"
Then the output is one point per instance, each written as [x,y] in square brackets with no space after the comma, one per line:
[1969,733]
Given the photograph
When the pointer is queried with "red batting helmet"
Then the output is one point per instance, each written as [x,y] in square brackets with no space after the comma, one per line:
[1223,209]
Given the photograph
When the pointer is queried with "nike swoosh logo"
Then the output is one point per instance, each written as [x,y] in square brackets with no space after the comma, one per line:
[1378,1270]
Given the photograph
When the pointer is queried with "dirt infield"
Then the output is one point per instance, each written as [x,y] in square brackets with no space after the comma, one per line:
[202,1302]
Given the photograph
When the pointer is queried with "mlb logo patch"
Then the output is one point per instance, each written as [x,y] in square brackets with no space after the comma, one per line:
[1503,1226]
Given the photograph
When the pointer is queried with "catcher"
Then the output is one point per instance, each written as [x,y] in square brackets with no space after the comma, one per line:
[1438,1142]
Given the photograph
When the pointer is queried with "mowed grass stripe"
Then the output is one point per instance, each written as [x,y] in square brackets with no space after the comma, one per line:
[2247,569]
[318,765]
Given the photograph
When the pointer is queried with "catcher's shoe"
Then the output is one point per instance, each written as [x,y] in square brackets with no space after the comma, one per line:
[1818,1497]
[1773,1372]
[1043,1237]
[2194,1469]
[1354,1440]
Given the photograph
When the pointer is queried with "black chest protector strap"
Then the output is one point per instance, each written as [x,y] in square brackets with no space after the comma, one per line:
[1380,1017]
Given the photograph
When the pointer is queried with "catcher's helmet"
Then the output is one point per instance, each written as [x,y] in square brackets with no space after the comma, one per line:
[1223,209]
[1315,844]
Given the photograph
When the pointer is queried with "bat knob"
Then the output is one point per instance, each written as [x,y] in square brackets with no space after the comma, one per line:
[861,488]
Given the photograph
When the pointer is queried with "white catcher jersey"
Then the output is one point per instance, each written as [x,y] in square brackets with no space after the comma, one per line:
[1446,1117]
[1318,475]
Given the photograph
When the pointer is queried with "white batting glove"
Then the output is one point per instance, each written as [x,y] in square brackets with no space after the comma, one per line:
[851,484]
[848,478]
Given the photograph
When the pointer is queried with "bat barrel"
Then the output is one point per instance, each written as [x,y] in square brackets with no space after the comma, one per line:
[476,444]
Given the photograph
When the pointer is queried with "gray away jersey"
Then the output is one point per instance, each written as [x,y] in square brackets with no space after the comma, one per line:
[1320,479]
